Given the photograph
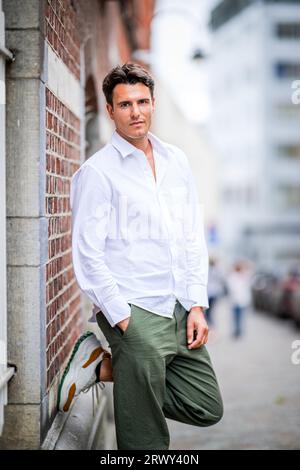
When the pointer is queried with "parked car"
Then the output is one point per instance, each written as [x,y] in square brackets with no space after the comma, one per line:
[291,289]
[296,307]
[290,299]
[263,288]
[278,293]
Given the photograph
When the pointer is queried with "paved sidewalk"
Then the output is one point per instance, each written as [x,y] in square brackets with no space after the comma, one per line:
[259,384]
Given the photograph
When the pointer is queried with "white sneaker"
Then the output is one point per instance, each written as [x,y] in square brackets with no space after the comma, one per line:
[80,374]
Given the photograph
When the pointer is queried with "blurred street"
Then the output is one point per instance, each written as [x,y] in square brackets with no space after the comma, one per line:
[260,387]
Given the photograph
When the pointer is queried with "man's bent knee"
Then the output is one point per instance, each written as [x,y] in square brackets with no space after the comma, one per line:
[215,415]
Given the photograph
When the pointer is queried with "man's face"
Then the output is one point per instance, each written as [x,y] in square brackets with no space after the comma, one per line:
[132,110]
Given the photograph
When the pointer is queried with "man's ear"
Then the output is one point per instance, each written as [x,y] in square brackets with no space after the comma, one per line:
[110,110]
[153,104]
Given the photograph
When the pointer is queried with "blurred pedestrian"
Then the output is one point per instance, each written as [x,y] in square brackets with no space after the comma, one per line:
[238,284]
[216,288]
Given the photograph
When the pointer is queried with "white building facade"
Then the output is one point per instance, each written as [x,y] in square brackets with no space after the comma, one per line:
[255,64]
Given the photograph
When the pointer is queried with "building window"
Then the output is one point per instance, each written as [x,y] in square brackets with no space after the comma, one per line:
[239,196]
[289,151]
[288,255]
[288,196]
[288,30]
[287,70]
[288,111]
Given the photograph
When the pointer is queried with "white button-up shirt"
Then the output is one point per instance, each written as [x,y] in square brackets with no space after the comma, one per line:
[135,239]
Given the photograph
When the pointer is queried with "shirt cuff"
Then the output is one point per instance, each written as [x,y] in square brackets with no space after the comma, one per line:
[116,310]
[198,294]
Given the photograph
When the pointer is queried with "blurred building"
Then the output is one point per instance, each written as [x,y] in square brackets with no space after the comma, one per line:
[179,47]
[171,125]
[255,61]
[53,117]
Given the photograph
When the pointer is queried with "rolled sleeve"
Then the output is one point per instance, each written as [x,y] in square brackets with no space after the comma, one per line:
[198,291]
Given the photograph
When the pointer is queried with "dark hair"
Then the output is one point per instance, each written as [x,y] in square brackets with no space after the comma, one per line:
[128,73]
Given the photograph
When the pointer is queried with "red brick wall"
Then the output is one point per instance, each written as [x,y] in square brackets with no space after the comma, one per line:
[98,25]
[62,34]
[63,319]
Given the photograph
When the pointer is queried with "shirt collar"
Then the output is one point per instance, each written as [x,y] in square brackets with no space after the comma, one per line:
[125,148]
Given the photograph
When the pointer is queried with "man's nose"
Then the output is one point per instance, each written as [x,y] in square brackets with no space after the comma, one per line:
[135,111]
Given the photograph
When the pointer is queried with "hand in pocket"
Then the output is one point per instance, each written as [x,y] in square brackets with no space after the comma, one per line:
[123,324]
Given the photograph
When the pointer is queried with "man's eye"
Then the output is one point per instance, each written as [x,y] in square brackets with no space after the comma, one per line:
[123,105]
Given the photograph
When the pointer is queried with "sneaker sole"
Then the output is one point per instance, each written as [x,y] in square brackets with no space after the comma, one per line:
[72,388]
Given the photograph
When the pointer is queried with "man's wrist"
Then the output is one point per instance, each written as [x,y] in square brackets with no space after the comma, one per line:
[197,307]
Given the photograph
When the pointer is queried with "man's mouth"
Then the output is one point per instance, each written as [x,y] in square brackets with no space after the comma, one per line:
[137,123]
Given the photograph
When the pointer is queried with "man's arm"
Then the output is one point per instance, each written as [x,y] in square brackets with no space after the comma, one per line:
[91,210]
[197,265]
[196,248]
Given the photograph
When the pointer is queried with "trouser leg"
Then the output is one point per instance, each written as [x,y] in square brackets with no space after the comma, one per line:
[139,369]
[156,376]
[237,311]
[192,391]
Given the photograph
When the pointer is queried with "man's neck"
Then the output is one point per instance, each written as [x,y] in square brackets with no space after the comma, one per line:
[141,144]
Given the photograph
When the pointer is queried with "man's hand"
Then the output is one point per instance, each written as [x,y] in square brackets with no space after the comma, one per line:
[123,324]
[196,321]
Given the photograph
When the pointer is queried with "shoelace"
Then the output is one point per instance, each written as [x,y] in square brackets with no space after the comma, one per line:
[96,387]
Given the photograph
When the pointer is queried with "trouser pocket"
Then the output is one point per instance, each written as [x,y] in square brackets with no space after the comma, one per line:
[120,329]
[111,332]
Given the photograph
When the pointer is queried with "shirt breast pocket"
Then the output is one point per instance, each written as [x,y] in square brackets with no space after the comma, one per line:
[179,193]
[175,195]
[175,200]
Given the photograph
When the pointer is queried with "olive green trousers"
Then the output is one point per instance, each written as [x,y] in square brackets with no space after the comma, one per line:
[156,376]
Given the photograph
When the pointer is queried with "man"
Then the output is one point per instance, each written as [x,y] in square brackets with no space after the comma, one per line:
[139,254]
[239,290]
